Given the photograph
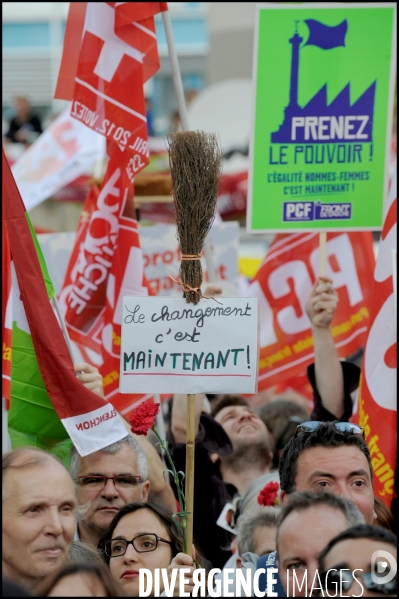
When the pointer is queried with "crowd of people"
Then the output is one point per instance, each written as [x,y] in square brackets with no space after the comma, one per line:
[303,521]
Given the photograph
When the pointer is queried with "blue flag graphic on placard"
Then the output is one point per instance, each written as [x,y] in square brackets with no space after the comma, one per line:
[324,36]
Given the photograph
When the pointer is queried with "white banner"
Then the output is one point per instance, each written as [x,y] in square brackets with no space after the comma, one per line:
[66,150]
[169,346]
[92,431]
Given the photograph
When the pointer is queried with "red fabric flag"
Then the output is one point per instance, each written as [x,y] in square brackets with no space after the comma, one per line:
[118,53]
[90,422]
[106,263]
[282,285]
[377,401]
[5,310]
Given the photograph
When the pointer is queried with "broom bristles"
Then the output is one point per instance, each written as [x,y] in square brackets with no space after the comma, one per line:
[195,159]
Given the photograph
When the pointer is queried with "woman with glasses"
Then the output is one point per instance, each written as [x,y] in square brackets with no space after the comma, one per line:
[144,535]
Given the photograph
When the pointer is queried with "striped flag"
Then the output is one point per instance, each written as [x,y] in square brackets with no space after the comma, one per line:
[43,376]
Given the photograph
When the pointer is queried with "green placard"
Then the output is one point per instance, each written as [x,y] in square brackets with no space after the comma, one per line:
[322,117]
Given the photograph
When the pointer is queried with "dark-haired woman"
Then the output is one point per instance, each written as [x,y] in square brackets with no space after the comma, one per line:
[144,535]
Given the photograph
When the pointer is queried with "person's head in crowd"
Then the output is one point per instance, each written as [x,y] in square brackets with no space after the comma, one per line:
[256,531]
[142,535]
[80,552]
[384,515]
[355,549]
[282,434]
[82,579]
[276,413]
[247,432]
[329,456]
[106,480]
[22,107]
[39,515]
[305,525]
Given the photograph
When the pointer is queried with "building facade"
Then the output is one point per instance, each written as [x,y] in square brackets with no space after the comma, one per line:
[33,34]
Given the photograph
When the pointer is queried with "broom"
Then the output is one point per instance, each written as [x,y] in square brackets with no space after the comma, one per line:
[195,160]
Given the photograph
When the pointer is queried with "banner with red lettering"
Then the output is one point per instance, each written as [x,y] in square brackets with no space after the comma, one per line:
[284,281]
[65,151]
[118,53]
[106,263]
[377,401]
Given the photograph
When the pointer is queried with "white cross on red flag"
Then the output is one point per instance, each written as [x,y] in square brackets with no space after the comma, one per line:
[110,51]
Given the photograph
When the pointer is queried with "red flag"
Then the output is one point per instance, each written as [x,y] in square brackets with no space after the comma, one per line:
[118,53]
[5,311]
[282,285]
[90,422]
[377,402]
[106,263]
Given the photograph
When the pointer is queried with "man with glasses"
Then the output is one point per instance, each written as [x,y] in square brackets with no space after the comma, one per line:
[362,561]
[106,480]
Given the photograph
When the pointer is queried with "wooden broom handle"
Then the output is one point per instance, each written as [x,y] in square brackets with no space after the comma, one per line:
[189,488]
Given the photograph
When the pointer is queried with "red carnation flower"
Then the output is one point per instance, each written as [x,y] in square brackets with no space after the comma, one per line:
[269,494]
[143,417]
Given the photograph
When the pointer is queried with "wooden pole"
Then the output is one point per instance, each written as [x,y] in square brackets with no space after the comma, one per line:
[189,490]
[322,248]
[190,444]
[5,445]
[63,326]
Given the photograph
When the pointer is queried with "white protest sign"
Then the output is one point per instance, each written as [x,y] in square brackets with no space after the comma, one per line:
[66,150]
[169,346]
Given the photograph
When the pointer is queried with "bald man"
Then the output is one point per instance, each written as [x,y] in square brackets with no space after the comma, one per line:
[39,516]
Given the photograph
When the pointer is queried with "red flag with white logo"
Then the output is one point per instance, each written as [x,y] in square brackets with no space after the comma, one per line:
[106,263]
[377,401]
[118,53]
[282,284]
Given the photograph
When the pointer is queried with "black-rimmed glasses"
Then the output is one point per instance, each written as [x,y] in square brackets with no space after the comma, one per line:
[142,544]
[334,579]
[344,427]
[98,482]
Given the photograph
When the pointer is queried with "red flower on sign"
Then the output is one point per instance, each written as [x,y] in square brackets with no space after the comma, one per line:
[143,417]
[269,494]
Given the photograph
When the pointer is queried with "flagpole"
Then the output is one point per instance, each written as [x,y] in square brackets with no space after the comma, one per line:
[182,108]
[322,249]
[5,438]
[63,326]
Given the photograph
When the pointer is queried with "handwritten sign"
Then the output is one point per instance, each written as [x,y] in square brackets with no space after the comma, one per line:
[170,346]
